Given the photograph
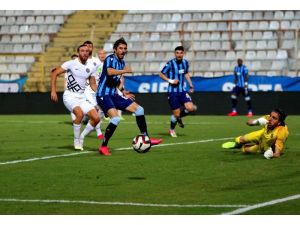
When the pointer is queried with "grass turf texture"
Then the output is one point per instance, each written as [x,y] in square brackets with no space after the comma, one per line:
[200,173]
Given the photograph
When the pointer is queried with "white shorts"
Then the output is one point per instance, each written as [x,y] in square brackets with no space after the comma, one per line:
[72,100]
[90,96]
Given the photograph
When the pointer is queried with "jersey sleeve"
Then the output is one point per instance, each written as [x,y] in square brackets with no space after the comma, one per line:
[109,62]
[66,65]
[166,68]
[282,136]
[94,72]
[187,67]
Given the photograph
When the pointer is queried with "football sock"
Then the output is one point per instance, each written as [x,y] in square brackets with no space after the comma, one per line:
[108,133]
[184,113]
[234,103]
[173,122]
[76,129]
[88,128]
[98,129]
[141,122]
[249,106]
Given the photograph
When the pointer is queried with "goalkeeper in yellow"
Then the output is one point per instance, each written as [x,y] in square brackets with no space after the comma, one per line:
[269,140]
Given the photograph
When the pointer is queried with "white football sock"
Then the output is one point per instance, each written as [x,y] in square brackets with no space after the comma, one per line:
[76,128]
[98,128]
[88,128]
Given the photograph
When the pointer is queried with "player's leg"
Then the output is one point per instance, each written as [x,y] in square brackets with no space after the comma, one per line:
[253,137]
[248,101]
[140,119]
[174,102]
[173,122]
[92,123]
[76,127]
[72,103]
[106,103]
[234,96]
[100,135]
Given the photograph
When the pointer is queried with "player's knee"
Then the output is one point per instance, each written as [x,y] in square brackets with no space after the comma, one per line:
[192,108]
[96,119]
[139,111]
[115,120]
[79,115]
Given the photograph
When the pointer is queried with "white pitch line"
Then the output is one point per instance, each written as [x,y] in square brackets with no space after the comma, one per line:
[180,143]
[117,149]
[118,203]
[264,204]
[42,158]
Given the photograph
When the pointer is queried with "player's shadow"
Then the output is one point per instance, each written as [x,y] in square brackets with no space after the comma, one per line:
[136,178]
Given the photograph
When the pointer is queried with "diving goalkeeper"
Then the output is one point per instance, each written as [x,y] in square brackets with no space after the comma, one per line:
[269,140]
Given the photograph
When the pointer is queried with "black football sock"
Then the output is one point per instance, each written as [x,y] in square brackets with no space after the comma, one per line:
[141,122]
[234,103]
[173,125]
[183,113]
[110,129]
[249,106]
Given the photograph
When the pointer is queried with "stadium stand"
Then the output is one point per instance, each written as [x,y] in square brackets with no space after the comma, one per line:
[32,42]
[267,40]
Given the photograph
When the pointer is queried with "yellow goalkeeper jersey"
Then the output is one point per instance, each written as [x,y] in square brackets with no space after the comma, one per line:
[265,138]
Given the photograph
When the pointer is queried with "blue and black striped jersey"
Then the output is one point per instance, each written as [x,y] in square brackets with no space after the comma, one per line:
[108,84]
[176,70]
[241,73]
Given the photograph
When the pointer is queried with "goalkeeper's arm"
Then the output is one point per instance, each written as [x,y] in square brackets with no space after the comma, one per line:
[258,122]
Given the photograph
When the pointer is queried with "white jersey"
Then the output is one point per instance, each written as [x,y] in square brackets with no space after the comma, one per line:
[78,74]
[90,94]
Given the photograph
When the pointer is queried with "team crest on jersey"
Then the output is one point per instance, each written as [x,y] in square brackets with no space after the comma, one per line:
[88,70]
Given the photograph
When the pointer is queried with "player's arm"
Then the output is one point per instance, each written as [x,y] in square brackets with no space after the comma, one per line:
[122,91]
[170,81]
[54,74]
[280,141]
[93,84]
[246,78]
[115,72]
[258,122]
[188,78]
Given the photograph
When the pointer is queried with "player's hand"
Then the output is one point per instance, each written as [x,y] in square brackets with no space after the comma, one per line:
[191,89]
[127,69]
[129,95]
[54,96]
[176,82]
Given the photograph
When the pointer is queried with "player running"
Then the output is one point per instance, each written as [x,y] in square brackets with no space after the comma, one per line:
[79,70]
[174,72]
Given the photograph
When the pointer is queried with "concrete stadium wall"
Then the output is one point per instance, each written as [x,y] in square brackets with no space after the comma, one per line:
[209,103]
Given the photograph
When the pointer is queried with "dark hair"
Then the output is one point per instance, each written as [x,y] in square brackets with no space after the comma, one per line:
[179,48]
[80,47]
[74,56]
[282,115]
[120,41]
[87,43]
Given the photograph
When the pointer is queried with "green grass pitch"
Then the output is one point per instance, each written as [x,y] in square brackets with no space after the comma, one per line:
[188,175]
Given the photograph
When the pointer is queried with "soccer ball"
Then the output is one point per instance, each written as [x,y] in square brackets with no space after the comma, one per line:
[141,144]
